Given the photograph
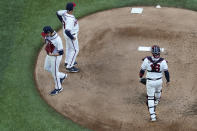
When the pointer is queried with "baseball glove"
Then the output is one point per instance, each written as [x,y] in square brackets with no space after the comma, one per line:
[143,81]
[49,48]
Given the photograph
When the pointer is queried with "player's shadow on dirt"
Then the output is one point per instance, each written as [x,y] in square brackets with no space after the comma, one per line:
[142,99]
[192,109]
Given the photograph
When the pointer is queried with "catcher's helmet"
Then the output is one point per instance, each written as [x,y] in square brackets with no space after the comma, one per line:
[155,50]
[70,6]
[48,29]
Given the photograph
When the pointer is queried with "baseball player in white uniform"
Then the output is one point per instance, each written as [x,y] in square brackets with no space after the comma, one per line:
[70,32]
[53,58]
[155,66]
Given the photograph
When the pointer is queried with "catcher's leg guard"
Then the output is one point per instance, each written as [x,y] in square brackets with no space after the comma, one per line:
[157,95]
[151,106]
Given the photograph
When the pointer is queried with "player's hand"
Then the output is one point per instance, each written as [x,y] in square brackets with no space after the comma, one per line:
[167,84]
[74,38]
[143,81]
[50,54]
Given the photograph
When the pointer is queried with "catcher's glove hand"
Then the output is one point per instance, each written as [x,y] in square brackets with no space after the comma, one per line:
[143,81]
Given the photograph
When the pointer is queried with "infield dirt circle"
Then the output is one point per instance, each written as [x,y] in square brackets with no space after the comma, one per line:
[106,93]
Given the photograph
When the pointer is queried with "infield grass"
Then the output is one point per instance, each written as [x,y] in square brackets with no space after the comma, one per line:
[21,107]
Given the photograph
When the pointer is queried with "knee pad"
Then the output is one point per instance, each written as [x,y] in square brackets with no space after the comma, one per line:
[158,94]
[151,104]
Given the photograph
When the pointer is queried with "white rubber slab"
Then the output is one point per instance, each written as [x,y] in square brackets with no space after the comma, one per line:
[136,10]
[145,48]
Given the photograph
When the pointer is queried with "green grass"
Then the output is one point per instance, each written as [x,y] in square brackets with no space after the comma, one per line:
[21,107]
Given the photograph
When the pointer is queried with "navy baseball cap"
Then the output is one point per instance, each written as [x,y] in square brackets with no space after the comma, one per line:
[70,6]
[47,29]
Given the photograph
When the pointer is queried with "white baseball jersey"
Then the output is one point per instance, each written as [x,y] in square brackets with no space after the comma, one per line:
[72,48]
[52,62]
[69,22]
[154,71]
[56,41]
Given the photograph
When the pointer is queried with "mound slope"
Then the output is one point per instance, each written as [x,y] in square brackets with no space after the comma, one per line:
[106,94]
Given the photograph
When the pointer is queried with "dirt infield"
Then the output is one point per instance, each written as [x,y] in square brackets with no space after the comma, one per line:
[106,94]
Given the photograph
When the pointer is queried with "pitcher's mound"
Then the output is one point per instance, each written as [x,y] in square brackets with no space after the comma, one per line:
[106,94]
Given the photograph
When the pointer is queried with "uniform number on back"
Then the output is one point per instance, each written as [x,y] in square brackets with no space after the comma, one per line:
[155,67]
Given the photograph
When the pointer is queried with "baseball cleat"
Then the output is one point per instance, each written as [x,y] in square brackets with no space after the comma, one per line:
[60,90]
[62,79]
[156,102]
[75,63]
[56,91]
[153,117]
[72,69]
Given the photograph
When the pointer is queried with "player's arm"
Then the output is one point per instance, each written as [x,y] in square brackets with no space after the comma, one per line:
[142,71]
[166,72]
[59,17]
[58,44]
[60,52]
[141,74]
[167,76]
[51,54]
[143,68]
[67,32]
[69,27]
[59,14]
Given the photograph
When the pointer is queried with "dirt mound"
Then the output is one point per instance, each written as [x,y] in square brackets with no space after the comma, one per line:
[106,94]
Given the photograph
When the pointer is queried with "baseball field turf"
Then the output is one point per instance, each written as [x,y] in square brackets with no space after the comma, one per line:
[21,107]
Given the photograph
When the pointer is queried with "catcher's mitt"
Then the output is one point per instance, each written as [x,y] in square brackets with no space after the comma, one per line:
[143,81]
[49,48]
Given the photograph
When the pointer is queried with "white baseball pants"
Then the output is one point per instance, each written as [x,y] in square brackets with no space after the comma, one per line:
[154,88]
[72,50]
[52,65]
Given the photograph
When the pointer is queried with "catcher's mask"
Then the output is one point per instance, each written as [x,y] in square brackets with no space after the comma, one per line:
[155,50]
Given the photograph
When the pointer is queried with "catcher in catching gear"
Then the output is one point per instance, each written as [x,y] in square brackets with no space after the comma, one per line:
[54,50]
[155,66]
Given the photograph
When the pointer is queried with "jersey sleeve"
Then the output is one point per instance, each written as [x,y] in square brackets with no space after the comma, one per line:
[61,12]
[59,45]
[144,64]
[164,65]
[70,24]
